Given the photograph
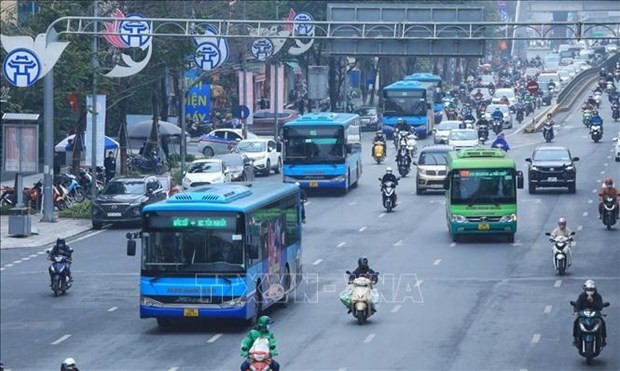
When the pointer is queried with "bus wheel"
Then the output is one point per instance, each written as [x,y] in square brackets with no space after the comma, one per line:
[456,238]
[287,287]
[511,237]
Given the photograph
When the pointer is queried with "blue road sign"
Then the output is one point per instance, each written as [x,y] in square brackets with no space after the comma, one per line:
[242,112]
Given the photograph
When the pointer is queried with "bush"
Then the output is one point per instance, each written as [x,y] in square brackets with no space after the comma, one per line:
[78,211]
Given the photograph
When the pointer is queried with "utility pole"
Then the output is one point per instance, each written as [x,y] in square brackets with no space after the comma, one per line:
[93,148]
[48,140]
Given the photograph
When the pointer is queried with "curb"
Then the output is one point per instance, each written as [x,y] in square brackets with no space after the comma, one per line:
[68,238]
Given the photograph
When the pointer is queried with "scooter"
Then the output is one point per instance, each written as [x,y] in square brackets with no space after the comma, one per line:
[561,252]
[378,151]
[483,133]
[615,112]
[597,99]
[58,273]
[360,301]
[609,87]
[412,145]
[596,133]
[589,326]
[548,132]
[403,161]
[587,118]
[388,191]
[520,116]
[497,125]
[609,212]
[260,355]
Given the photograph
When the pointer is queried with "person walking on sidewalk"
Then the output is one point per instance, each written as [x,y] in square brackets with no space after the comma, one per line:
[110,166]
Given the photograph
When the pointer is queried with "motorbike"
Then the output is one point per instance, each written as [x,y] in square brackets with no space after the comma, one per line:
[153,163]
[197,130]
[61,201]
[58,273]
[403,161]
[378,151]
[85,180]
[360,300]
[451,114]
[388,190]
[548,132]
[561,252]
[529,108]
[7,196]
[260,355]
[74,191]
[609,212]
[412,145]
[617,75]
[598,98]
[615,113]
[498,126]
[589,327]
[609,87]
[483,133]
[520,115]
[587,118]
[596,133]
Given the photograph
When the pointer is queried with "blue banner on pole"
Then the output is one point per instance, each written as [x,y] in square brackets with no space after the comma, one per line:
[198,103]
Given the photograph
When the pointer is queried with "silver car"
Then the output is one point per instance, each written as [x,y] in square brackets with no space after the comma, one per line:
[370,118]
[442,130]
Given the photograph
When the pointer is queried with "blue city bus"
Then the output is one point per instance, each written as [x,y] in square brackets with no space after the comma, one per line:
[323,150]
[434,81]
[411,101]
[220,251]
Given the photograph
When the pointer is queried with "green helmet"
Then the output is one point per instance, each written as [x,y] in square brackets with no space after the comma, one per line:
[263,322]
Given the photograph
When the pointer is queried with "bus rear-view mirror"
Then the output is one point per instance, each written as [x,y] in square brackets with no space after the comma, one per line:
[519,179]
[131,247]
[446,183]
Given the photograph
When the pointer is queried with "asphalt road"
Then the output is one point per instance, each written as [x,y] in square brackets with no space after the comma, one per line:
[483,304]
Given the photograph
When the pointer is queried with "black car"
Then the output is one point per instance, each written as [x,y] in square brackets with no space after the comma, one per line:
[240,166]
[123,198]
[552,166]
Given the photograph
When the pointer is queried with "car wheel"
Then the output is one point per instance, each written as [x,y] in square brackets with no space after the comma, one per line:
[278,169]
[97,225]
[531,188]
[572,188]
[208,152]
[267,170]
[418,191]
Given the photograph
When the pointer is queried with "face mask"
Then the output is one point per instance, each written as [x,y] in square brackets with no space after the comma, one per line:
[268,328]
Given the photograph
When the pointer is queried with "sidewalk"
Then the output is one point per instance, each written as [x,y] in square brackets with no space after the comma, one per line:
[47,233]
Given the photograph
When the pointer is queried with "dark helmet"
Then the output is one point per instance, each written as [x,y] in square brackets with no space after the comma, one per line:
[263,323]
[60,242]
[362,262]
[548,115]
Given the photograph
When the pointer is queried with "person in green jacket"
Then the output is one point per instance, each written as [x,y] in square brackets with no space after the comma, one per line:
[261,330]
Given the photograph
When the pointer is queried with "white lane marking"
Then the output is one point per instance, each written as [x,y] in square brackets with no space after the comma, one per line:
[557,283]
[580,227]
[8,265]
[352,203]
[585,213]
[381,215]
[536,338]
[436,262]
[317,262]
[609,157]
[33,255]
[362,229]
[173,369]
[17,261]
[342,369]
[398,243]
[214,338]
[60,339]
[112,309]
[548,309]
[418,283]
[523,369]
[602,171]
[369,338]
[590,201]
[89,235]
[26,259]
[605,164]
[594,191]
[1,269]
[342,244]
[396,308]
[452,244]
[42,252]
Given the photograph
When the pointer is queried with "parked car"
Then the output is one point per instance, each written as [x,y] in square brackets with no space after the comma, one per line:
[463,138]
[238,167]
[507,124]
[263,120]
[432,168]
[264,153]
[442,130]
[170,186]
[204,172]
[220,141]
[552,166]
[122,199]
[370,118]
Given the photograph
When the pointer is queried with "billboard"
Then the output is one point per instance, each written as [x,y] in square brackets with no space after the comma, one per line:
[198,103]
[100,135]
[20,148]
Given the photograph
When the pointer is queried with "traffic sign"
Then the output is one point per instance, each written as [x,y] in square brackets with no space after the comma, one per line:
[532,87]
[242,112]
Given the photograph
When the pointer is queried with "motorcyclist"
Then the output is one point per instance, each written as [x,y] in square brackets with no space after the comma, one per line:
[589,299]
[364,270]
[614,95]
[598,89]
[596,120]
[390,177]
[608,190]
[69,365]
[591,101]
[497,115]
[402,125]
[602,72]
[478,95]
[564,231]
[504,100]
[379,137]
[551,85]
[549,120]
[500,143]
[261,330]
[466,110]
[61,248]
[587,106]
[303,196]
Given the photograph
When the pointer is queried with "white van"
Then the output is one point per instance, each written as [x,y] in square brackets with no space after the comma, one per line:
[586,54]
[544,78]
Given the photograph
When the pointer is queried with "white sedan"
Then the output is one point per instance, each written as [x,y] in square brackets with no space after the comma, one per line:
[463,138]
[263,152]
[205,172]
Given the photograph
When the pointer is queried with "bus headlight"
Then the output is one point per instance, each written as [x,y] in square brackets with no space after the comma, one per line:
[235,303]
[459,219]
[508,218]
[149,302]
[339,179]
[288,179]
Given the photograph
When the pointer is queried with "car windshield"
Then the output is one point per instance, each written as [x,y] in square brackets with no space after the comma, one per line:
[502,109]
[314,145]
[508,93]
[483,186]
[366,111]
[194,243]
[251,147]
[206,167]
[463,135]
[484,91]
[551,155]
[447,125]
[124,188]
[433,158]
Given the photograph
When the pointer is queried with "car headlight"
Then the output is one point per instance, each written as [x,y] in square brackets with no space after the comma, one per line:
[138,202]
[508,218]
[534,168]
[570,167]
[149,302]
[421,171]
[458,219]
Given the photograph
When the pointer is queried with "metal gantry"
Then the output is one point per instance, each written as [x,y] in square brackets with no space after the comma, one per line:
[329,30]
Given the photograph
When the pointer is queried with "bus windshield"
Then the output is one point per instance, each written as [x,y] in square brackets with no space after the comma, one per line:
[483,186]
[194,242]
[314,145]
[405,102]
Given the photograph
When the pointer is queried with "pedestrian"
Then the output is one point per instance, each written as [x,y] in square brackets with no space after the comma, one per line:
[262,104]
[302,106]
[304,198]
[110,166]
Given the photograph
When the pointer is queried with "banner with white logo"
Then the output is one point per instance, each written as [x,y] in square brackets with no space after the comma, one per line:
[100,132]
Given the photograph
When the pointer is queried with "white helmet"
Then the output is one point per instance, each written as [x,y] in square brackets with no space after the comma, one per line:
[68,364]
[388,170]
[589,285]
